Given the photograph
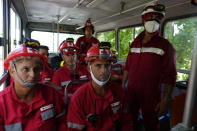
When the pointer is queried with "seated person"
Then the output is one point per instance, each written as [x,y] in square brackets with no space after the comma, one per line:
[25,104]
[98,105]
[47,72]
[71,71]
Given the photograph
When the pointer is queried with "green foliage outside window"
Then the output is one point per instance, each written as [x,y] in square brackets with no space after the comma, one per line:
[108,36]
[126,36]
[181,33]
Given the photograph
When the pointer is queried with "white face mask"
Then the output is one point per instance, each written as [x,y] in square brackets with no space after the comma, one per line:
[100,83]
[151,26]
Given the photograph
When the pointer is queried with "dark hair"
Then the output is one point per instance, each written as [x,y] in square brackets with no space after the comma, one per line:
[43,47]
[88,26]
[35,44]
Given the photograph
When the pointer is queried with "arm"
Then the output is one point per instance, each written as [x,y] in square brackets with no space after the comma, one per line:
[1,119]
[126,118]
[125,72]
[60,112]
[124,78]
[55,79]
[168,79]
[75,118]
[78,45]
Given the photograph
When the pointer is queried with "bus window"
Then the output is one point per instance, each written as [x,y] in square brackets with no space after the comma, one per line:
[15,28]
[181,33]
[1,18]
[108,36]
[126,36]
[50,39]
[1,35]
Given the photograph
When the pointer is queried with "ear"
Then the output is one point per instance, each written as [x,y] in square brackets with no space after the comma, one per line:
[11,70]
[88,67]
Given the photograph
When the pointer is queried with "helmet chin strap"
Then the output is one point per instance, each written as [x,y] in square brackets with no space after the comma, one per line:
[25,83]
[100,83]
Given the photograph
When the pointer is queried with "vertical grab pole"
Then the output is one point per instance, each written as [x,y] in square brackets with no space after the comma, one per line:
[186,125]
[58,30]
[192,89]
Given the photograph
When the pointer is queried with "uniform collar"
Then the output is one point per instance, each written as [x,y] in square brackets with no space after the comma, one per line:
[108,93]
[37,95]
[141,36]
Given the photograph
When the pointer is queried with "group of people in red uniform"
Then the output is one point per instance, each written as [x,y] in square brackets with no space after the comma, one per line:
[90,92]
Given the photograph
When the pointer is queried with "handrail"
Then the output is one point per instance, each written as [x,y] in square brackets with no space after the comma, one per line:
[187,124]
[3,78]
[183,71]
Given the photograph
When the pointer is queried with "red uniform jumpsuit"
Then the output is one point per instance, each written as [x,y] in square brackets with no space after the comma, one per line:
[108,109]
[149,66]
[63,76]
[84,45]
[46,74]
[45,112]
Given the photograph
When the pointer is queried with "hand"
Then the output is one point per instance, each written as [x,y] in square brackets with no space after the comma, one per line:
[162,107]
[115,77]
[123,86]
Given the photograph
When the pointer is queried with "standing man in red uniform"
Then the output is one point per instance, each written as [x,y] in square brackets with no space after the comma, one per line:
[70,71]
[85,42]
[97,105]
[150,69]
[26,105]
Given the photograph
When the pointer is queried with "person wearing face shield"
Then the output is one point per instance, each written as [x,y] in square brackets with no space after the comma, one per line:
[98,104]
[25,104]
[71,70]
[85,42]
[150,70]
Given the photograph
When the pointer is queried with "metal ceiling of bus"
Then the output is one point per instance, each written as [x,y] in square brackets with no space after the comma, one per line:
[105,13]
[52,10]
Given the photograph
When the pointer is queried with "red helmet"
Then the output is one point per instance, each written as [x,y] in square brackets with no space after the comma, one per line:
[95,52]
[22,50]
[67,47]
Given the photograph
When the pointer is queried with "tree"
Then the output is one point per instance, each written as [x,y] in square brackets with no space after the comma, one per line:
[181,34]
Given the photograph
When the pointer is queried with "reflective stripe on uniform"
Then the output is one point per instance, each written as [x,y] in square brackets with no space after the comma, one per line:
[13,127]
[75,126]
[61,114]
[47,79]
[48,114]
[147,50]
[65,83]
